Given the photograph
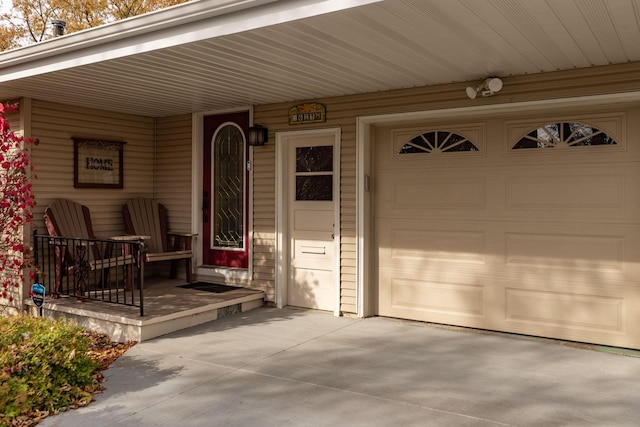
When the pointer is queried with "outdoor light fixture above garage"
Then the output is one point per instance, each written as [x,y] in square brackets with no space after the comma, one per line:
[489,87]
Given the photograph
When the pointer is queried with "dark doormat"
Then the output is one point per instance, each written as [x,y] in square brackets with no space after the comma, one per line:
[209,287]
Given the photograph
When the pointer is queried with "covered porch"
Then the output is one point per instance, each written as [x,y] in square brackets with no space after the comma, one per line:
[168,308]
[112,286]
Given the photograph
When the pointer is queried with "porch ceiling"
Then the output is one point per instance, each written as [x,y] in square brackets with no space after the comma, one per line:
[385,45]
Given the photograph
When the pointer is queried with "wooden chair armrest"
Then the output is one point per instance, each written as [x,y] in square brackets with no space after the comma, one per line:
[111,262]
[130,238]
[180,234]
[181,241]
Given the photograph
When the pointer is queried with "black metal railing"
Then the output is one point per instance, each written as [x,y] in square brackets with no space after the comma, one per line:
[105,270]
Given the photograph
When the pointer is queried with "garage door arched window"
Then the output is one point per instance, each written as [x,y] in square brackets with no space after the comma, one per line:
[438,141]
[564,135]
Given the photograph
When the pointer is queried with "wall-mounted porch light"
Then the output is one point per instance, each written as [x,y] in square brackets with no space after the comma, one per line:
[258,135]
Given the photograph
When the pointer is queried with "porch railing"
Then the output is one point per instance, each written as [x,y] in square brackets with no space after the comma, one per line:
[105,270]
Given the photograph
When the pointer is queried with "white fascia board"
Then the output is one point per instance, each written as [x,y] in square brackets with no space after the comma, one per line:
[181,24]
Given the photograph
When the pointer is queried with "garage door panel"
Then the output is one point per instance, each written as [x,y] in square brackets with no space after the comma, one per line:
[455,298]
[586,312]
[402,191]
[575,252]
[576,192]
[437,245]
[606,316]
[430,294]
[589,254]
[579,281]
[473,247]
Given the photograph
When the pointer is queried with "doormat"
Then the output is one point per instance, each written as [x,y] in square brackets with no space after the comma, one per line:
[209,287]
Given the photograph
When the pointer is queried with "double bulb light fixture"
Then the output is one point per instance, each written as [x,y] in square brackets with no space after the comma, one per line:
[489,87]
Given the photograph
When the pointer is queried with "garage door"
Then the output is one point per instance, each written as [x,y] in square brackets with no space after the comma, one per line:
[529,226]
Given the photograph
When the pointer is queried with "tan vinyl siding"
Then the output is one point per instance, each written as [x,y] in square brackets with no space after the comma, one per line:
[173,174]
[54,125]
[342,112]
[264,219]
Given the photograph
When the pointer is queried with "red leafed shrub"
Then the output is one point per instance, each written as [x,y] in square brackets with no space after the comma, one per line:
[15,206]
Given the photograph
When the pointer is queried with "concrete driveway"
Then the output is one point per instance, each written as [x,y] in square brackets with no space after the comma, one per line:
[272,367]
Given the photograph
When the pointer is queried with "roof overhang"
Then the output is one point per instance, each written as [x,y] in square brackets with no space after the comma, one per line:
[182,24]
[215,54]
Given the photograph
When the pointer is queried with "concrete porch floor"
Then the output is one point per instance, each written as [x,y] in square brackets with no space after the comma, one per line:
[167,308]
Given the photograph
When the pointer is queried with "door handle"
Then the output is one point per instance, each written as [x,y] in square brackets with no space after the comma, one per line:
[205,200]
[205,206]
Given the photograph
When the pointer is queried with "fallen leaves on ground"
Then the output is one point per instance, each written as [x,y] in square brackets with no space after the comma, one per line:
[104,351]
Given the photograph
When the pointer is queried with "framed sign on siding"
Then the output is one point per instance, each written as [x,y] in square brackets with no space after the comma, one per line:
[98,163]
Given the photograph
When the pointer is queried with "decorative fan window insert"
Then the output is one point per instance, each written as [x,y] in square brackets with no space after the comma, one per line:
[437,142]
[564,135]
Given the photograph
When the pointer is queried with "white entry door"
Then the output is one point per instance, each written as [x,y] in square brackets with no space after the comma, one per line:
[311,219]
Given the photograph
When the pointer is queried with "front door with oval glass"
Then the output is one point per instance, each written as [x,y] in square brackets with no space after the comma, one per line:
[311,193]
[225,195]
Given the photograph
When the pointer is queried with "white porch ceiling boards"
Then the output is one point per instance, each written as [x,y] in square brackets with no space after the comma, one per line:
[391,44]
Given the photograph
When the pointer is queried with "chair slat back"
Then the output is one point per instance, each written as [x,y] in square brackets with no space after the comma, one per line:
[69,219]
[145,215]
[65,218]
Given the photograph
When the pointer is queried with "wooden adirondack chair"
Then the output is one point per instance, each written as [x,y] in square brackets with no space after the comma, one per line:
[68,219]
[146,217]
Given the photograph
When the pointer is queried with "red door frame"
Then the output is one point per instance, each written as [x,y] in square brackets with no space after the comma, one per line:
[234,258]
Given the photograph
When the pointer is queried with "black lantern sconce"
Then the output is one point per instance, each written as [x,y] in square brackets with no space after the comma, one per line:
[258,135]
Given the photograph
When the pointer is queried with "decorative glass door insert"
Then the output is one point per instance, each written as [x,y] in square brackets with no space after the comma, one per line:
[228,162]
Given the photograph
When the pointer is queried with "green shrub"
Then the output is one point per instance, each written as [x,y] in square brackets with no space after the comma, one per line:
[44,365]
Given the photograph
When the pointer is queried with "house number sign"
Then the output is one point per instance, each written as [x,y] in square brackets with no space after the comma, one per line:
[97,163]
[307,113]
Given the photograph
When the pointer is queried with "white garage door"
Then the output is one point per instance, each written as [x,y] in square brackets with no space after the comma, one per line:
[529,226]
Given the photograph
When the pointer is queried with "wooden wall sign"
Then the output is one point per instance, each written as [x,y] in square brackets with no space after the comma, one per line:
[97,163]
[307,113]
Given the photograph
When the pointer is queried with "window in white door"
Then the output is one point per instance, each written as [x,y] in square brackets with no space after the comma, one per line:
[314,173]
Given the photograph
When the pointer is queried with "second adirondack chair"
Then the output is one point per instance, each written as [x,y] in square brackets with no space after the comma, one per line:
[147,217]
